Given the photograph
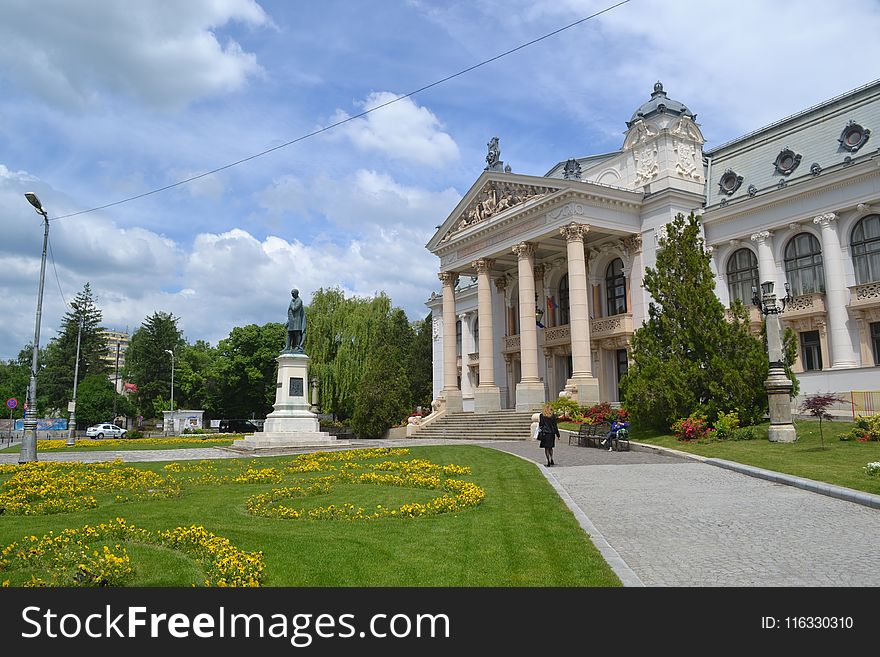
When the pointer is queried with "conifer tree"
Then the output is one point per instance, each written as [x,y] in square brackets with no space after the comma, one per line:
[146,363]
[689,356]
[56,378]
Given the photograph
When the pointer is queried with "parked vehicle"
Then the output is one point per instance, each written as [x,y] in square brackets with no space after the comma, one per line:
[105,430]
[240,426]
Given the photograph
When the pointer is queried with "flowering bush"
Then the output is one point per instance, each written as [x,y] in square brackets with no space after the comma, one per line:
[873,469]
[694,427]
[726,424]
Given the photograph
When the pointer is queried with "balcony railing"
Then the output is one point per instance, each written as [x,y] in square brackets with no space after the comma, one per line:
[805,305]
[612,327]
[864,296]
[473,359]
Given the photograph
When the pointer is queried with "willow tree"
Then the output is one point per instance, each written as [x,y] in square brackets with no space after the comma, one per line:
[688,355]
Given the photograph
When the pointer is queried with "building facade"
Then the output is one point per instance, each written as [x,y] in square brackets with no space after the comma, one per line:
[117,345]
[542,275]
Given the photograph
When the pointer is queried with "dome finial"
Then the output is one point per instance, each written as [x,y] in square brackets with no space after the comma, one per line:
[658,87]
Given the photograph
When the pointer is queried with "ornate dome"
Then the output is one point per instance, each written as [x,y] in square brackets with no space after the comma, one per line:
[660,104]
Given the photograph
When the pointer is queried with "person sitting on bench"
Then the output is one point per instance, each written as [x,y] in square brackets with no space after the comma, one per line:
[616,426]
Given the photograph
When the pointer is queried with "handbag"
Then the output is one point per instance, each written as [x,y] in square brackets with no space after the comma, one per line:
[537,432]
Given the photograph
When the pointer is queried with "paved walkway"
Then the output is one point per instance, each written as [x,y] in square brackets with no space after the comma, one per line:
[661,519]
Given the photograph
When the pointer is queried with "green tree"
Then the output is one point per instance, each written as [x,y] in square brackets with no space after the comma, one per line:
[14,379]
[420,363]
[384,397]
[195,377]
[95,401]
[147,364]
[689,355]
[245,371]
[56,378]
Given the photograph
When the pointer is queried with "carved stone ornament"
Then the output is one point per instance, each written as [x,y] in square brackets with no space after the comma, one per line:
[815,168]
[787,161]
[853,137]
[686,128]
[435,329]
[686,166]
[523,250]
[495,197]
[633,244]
[493,157]
[572,170]
[761,237]
[729,182]
[753,191]
[647,166]
[448,278]
[483,265]
[574,232]
[825,219]
[500,283]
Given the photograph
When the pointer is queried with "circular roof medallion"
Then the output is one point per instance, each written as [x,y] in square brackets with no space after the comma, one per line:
[729,182]
[853,137]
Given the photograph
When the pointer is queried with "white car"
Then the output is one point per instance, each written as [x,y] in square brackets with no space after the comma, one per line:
[105,431]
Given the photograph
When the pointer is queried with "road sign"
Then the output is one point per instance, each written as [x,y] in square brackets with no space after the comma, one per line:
[11,403]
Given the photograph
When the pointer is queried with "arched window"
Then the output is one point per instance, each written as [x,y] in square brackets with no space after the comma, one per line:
[615,287]
[742,275]
[564,317]
[458,338]
[866,249]
[803,265]
[477,336]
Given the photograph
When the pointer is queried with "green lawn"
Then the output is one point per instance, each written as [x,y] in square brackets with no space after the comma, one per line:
[840,462]
[521,535]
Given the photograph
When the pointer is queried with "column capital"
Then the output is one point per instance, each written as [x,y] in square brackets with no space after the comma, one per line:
[500,283]
[539,272]
[761,237]
[448,278]
[483,265]
[633,244]
[523,250]
[825,219]
[574,232]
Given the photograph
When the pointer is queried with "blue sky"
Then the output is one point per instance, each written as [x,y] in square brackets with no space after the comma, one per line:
[101,100]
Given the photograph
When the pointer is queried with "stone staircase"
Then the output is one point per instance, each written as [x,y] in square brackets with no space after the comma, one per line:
[499,425]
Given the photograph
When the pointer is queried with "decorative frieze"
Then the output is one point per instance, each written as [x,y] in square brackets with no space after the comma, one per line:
[496,196]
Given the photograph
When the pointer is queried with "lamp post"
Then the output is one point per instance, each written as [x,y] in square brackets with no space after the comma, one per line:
[778,385]
[168,351]
[29,440]
[71,432]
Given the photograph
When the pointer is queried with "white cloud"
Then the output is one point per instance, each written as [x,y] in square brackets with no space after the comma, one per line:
[402,131]
[162,53]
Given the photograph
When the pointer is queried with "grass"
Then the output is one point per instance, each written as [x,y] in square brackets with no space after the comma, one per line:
[840,462]
[521,535]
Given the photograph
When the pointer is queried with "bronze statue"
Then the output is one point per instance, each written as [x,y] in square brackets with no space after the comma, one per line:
[296,325]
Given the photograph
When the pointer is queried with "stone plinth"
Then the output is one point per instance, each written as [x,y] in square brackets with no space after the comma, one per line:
[779,397]
[291,424]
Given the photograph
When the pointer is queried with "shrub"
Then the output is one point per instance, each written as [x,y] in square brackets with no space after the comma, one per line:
[726,424]
[133,433]
[694,427]
[873,469]
[743,433]
[567,410]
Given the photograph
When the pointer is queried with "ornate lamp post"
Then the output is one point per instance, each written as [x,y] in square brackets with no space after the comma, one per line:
[29,440]
[778,385]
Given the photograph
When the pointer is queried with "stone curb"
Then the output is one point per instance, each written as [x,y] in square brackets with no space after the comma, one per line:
[839,492]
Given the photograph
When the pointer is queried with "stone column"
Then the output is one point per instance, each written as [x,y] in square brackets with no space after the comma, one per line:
[766,263]
[582,386]
[487,396]
[467,346]
[450,391]
[836,294]
[530,390]
[865,354]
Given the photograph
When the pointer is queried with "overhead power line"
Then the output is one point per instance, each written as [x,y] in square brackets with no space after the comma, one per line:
[346,120]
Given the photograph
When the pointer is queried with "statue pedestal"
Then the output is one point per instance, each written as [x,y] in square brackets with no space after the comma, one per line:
[291,424]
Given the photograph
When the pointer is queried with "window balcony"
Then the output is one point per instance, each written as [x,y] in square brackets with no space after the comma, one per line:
[615,326]
[864,296]
[805,305]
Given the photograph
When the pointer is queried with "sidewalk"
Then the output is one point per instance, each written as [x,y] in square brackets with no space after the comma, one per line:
[663,518]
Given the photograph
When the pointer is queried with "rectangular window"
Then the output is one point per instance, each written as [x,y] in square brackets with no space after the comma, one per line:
[875,341]
[811,351]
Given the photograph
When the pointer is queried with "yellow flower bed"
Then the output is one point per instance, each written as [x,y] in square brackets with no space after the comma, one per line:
[78,557]
[109,443]
[46,487]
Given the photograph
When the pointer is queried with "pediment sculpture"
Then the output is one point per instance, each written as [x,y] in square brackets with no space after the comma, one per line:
[495,197]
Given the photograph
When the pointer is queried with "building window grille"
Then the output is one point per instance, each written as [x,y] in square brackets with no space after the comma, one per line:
[742,275]
[615,287]
[875,341]
[803,265]
[811,351]
[866,249]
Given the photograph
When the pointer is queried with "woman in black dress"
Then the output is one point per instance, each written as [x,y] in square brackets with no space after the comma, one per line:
[548,432]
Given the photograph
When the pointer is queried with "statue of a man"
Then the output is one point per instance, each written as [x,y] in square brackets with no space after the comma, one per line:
[296,325]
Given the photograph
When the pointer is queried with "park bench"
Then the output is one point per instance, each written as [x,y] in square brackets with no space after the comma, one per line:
[590,435]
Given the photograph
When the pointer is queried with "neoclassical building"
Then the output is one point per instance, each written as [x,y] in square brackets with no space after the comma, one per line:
[542,275]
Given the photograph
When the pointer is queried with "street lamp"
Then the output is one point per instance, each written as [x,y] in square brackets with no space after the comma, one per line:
[168,351]
[778,385]
[29,441]
[71,439]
